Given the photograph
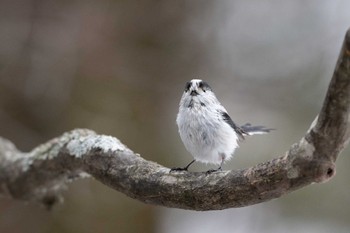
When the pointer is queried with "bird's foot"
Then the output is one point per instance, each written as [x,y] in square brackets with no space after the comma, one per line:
[178,169]
[182,168]
[213,170]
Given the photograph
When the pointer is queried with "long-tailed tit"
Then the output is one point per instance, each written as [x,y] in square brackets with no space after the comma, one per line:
[205,127]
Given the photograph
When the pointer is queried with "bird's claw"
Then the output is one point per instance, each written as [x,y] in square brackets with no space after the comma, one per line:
[178,169]
[212,171]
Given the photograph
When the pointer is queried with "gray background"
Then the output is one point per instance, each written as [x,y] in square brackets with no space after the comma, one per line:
[119,68]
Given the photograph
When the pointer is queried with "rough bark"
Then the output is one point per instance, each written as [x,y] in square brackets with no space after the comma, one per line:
[41,174]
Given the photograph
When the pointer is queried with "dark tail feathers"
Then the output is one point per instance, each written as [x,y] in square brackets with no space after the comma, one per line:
[251,130]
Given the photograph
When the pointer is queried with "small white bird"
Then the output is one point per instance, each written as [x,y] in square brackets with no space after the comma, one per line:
[206,129]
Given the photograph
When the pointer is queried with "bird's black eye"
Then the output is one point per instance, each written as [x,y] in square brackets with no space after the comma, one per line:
[187,87]
[204,86]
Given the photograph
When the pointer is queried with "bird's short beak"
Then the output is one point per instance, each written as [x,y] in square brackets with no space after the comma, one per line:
[194,93]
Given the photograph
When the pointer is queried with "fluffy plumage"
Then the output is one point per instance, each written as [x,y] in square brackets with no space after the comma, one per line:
[205,127]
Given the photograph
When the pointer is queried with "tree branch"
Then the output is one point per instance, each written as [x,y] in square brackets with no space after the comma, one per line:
[41,174]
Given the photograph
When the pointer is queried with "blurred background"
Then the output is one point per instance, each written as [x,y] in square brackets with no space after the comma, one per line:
[119,68]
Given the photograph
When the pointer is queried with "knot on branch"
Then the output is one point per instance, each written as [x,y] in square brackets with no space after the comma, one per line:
[318,171]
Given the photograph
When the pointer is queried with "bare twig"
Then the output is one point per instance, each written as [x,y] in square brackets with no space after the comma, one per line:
[40,174]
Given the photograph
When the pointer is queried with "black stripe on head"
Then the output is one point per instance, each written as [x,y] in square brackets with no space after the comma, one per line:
[188,86]
[204,86]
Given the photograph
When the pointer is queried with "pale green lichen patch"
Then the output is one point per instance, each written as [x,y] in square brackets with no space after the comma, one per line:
[303,149]
[170,179]
[307,148]
[52,148]
[83,145]
[48,150]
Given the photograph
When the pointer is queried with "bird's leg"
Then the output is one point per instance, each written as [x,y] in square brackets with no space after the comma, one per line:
[182,168]
[219,168]
[213,170]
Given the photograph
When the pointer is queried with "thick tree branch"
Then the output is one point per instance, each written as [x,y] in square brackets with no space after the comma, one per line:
[40,174]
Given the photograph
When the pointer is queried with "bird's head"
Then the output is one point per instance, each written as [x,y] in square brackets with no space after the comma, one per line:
[197,92]
[197,87]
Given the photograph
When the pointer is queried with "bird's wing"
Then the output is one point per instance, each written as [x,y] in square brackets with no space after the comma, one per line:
[240,132]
